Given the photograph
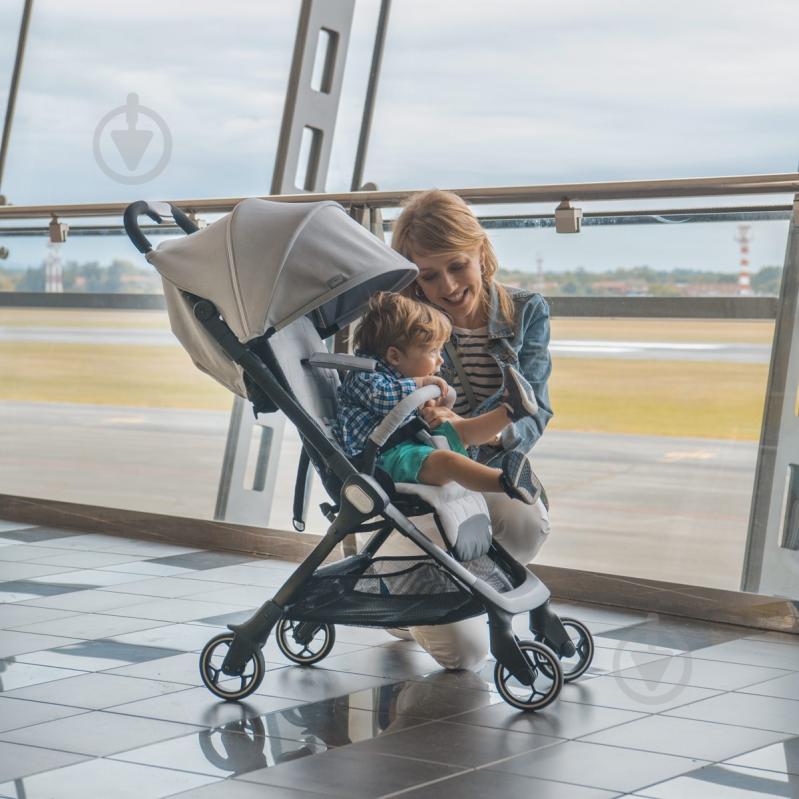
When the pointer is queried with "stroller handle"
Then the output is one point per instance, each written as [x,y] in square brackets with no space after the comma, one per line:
[156,212]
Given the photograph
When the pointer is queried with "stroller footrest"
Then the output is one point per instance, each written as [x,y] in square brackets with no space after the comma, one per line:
[529,595]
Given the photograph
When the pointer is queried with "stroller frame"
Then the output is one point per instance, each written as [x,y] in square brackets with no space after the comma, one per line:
[363,497]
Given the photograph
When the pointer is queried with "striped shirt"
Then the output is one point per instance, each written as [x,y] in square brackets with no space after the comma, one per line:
[481,367]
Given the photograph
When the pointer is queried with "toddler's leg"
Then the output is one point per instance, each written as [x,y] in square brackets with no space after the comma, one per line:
[444,466]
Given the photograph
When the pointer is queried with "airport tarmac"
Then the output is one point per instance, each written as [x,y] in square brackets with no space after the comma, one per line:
[654,507]
[564,348]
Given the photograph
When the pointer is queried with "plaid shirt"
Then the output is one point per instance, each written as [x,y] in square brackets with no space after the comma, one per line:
[364,400]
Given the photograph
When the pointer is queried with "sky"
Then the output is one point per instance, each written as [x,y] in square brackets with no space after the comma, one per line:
[515,93]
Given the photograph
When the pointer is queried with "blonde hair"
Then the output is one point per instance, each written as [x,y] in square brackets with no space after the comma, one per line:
[436,222]
[396,321]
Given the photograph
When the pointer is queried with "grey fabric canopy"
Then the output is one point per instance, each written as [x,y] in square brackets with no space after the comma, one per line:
[266,264]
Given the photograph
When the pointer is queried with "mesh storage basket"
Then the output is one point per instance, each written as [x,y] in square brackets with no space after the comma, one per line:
[392,592]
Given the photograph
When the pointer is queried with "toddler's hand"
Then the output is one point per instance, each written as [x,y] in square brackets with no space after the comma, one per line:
[434,380]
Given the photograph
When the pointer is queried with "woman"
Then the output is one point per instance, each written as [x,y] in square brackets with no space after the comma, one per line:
[492,325]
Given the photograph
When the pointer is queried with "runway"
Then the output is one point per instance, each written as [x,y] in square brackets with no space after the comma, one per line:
[562,348]
[655,507]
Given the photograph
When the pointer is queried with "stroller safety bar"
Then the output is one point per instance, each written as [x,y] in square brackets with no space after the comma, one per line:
[341,362]
[403,409]
[157,212]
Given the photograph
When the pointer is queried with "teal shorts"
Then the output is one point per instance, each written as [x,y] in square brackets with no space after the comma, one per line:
[404,461]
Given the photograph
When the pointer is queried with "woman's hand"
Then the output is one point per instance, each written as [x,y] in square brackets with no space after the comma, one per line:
[434,414]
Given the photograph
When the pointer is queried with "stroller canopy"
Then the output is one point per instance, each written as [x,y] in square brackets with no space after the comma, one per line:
[266,264]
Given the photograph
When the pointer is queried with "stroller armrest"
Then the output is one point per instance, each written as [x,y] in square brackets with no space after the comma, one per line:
[341,362]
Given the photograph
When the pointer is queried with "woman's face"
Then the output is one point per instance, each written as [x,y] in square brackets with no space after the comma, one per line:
[453,282]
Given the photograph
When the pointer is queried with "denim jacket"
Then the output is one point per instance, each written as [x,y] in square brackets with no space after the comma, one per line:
[523,345]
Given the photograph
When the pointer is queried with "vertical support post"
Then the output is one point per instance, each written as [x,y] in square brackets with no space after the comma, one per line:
[771,560]
[301,164]
[12,92]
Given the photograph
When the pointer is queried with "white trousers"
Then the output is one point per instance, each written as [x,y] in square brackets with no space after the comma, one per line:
[522,530]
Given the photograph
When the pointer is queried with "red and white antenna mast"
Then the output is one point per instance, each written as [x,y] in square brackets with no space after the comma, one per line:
[744,281]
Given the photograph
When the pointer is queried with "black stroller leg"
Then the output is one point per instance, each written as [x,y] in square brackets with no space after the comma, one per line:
[547,625]
[505,648]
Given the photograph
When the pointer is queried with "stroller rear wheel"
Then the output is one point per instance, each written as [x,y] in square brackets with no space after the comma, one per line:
[546,673]
[230,686]
[305,642]
[576,665]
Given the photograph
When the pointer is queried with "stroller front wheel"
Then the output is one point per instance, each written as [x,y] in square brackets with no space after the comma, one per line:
[230,686]
[546,673]
[576,665]
[305,642]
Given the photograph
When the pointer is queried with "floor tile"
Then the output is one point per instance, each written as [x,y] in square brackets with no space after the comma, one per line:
[202,560]
[173,610]
[182,668]
[382,662]
[16,713]
[16,642]
[726,782]
[21,553]
[308,684]
[14,674]
[684,635]
[13,570]
[19,761]
[85,601]
[91,578]
[427,700]
[560,719]
[235,789]
[745,710]
[454,744]
[685,737]
[8,527]
[266,580]
[31,534]
[169,587]
[248,596]
[333,722]
[81,559]
[96,733]
[17,615]
[701,673]
[90,626]
[624,657]
[228,751]
[96,655]
[95,691]
[786,687]
[782,757]
[185,637]
[754,653]
[502,785]
[644,696]
[146,568]
[606,642]
[200,707]
[28,591]
[340,772]
[607,767]
[105,778]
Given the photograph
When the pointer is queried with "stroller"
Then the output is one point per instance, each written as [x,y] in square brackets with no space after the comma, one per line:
[252,297]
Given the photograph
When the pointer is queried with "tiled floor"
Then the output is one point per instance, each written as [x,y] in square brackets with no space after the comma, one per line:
[100,696]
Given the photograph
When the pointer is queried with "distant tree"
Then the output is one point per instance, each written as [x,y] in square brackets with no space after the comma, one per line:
[767,280]
[32,279]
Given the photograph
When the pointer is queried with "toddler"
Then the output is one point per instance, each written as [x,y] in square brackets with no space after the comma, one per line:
[405,337]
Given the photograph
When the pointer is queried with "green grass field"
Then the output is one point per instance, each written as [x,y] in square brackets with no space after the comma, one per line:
[679,398]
